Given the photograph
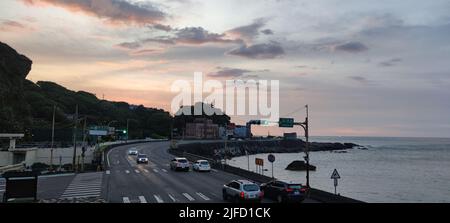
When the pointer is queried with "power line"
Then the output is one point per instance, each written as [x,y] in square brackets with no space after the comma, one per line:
[295,111]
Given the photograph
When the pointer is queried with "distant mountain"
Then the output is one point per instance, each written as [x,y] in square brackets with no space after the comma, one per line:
[27,107]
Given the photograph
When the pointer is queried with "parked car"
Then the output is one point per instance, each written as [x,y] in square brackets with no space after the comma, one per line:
[242,191]
[133,152]
[201,165]
[281,191]
[180,163]
[141,158]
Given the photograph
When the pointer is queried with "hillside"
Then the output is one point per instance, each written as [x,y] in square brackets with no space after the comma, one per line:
[27,107]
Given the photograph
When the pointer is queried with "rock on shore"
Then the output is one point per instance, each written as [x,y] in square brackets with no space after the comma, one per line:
[299,165]
[240,148]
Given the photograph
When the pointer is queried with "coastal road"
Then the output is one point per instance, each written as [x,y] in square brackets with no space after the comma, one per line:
[128,182]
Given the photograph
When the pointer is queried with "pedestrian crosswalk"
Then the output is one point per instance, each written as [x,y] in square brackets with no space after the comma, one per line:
[138,171]
[2,185]
[84,185]
[168,198]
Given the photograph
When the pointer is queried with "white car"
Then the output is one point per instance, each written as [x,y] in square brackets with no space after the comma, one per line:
[133,152]
[180,164]
[201,165]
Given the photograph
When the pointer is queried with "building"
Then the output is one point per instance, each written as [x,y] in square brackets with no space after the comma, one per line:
[201,128]
[241,131]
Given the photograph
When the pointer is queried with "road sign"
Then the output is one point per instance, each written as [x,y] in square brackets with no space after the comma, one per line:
[98,132]
[259,162]
[271,158]
[335,175]
[286,122]
[259,165]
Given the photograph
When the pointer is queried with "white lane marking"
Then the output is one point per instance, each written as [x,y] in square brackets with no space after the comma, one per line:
[164,170]
[188,197]
[158,198]
[126,200]
[145,170]
[214,170]
[137,171]
[127,171]
[142,199]
[173,198]
[89,194]
[108,172]
[155,170]
[203,196]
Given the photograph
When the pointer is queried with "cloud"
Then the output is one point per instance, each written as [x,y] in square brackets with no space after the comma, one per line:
[129,45]
[10,25]
[198,35]
[192,36]
[351,47]
[115,11]
[162,27]
[248,32]
[145,52]
[229,72]
[390,63]
[267,32]
[259,51]
[361,80]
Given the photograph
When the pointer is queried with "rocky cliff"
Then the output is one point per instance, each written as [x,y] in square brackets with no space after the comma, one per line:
[14,68]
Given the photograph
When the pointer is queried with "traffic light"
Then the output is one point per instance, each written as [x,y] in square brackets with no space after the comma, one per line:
[124,131]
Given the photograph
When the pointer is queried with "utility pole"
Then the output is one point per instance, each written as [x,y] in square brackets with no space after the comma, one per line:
[128,120]
[307,146]
[53,138]
[75,118]
[84,145]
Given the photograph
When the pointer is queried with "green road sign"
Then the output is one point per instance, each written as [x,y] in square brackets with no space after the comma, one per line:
[286,123]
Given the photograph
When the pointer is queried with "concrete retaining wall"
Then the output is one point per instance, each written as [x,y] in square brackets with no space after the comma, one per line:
[42,155]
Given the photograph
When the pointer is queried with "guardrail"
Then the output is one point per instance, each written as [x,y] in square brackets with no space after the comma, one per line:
[15,167]
[227,168]
[124,143]
[315,194]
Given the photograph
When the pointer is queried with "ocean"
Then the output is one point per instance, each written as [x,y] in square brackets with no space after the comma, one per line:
[405,170]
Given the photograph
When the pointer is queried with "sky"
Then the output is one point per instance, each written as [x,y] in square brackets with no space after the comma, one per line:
[365,68]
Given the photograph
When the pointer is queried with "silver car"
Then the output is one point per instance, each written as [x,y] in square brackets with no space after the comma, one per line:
[133,152]
[180,164]
[241,191]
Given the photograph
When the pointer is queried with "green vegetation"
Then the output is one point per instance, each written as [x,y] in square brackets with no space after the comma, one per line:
[42,96]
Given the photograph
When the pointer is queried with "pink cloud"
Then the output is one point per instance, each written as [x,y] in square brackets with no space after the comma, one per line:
[114,11]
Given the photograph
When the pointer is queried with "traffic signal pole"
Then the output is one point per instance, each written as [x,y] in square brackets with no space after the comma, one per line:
[305,126]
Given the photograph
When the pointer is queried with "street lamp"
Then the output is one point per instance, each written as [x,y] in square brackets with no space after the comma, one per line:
[127,131]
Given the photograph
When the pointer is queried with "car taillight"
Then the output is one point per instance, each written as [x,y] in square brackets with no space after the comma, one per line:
[261,194]
[303,189]
[289,190]
[242,195]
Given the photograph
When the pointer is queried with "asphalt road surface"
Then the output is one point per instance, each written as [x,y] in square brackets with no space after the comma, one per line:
[127,182]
